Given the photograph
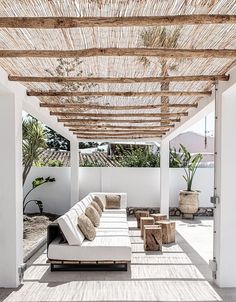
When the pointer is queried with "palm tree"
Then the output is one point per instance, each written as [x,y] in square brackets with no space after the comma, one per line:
[161,37]
[34,140]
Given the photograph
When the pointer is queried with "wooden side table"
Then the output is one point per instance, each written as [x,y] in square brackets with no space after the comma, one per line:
[145,221]
[139,214]
[159,217]
[168,231]
[152,238]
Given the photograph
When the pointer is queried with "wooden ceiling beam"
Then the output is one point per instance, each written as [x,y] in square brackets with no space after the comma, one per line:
[75,22]
[87,137]
[121,52]
[109,107]
[117,93]
[75,130]
[109,130]
[87,121]
[118,132]
[107,126]
[101,115]
[113,80]
[122,135]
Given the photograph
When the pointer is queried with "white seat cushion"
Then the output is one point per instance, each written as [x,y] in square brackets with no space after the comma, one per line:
[112,242]
[102,248]
[112,219]
[113,225]
[115,211]
[112,232]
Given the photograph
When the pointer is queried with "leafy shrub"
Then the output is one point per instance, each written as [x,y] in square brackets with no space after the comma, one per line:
[39,163]
[139,157]
[96,163]
[50,163]
[55,163]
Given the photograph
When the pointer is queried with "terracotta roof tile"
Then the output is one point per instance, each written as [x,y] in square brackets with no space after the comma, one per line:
[95,158]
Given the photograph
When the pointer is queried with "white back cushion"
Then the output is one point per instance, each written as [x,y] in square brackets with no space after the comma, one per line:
[86,201]
[102,196]
[69,227]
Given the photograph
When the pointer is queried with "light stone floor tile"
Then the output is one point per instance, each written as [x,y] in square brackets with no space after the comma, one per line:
[178,273]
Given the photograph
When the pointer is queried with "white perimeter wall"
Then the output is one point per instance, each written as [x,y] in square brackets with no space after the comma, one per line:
[56,195]
[141,185]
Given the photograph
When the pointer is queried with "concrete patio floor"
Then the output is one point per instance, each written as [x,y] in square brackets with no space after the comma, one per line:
[179,273]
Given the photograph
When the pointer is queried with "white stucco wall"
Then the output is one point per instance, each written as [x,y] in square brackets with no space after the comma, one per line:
[56,195]
[203,181]
[141,184]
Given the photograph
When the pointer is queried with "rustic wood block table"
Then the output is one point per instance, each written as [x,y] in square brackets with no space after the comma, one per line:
[168,231]
[145,221]
[152,238]
[139,214]
[159,217]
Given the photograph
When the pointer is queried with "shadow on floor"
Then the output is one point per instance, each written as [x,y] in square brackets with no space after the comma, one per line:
[178,273]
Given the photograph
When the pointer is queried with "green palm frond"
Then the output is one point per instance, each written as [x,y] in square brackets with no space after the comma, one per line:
[34,141]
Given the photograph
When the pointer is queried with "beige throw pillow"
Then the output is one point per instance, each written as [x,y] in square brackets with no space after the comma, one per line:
[99,202]
[86,227]
[93,215]
[113,201]
[96,206]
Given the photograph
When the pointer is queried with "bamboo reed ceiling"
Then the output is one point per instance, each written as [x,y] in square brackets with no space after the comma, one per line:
[125,90]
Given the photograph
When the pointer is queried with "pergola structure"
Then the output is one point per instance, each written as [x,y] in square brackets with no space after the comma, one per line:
[117,70]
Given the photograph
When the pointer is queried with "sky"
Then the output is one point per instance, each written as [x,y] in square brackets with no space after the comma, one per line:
[199,127]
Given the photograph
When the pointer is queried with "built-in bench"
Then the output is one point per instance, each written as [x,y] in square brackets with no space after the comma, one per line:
[111,249]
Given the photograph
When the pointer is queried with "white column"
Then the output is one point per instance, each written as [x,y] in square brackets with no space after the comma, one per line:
[11,218]
[225,183]
[74,163]
[164,177]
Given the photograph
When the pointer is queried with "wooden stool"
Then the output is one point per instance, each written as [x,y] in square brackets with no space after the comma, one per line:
[145,221]
[158,217]
[152,238]
[168,231]
[139,214]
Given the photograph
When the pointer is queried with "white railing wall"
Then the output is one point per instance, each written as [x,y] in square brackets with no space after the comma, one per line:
[141,184]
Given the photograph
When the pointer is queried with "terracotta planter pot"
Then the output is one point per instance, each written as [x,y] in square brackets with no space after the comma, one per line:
[188,203]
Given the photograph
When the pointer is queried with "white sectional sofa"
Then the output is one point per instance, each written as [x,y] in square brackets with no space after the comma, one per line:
[111,248]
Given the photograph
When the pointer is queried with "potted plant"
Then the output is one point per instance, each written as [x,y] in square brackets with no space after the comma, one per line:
[188,199]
